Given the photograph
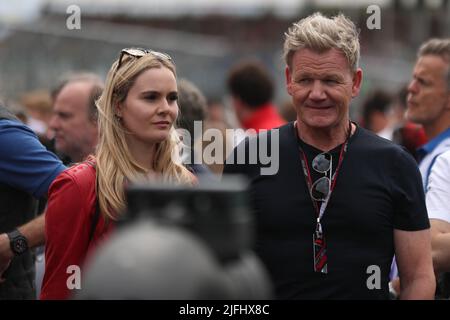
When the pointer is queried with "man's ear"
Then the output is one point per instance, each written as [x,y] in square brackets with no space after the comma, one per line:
[357,82]
[288,80]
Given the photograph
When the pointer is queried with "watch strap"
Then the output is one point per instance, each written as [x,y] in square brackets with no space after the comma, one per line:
[13,237]
[14,234]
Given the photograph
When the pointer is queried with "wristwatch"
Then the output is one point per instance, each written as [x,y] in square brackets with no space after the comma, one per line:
[17,242]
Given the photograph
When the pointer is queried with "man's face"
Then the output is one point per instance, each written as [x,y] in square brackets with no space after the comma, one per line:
[322,86]
[428,96]
[75,132]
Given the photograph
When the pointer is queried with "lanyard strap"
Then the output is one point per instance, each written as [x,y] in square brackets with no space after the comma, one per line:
[308,177]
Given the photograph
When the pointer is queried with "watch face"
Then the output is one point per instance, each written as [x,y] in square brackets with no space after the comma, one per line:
[20,246]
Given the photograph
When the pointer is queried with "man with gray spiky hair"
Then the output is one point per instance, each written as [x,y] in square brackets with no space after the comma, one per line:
[429,105]
[429,101]
[343,200]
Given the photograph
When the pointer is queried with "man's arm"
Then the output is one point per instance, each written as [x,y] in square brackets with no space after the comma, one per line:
[440,244]
[413,254]
[34,231]
[27,166]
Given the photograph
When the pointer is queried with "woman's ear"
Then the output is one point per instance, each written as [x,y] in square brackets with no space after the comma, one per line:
[118,110]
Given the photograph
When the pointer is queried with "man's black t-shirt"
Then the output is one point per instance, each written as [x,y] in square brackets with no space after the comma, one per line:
[378,189]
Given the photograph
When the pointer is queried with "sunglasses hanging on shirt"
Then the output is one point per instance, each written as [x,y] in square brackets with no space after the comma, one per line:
[320,191]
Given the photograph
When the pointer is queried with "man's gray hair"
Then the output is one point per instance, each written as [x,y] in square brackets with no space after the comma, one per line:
[94,94]
[437,47]
[319,33]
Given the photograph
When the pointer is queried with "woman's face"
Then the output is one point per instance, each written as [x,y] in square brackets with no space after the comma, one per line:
[150,107]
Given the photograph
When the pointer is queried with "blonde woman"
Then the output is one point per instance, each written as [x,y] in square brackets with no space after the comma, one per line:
[137,112]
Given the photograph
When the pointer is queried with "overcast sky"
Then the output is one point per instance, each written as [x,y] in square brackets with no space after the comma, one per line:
[17,11]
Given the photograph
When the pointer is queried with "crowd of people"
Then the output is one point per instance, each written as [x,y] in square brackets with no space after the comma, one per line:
[351,201]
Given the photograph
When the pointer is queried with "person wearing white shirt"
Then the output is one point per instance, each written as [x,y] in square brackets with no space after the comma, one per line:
[438,206]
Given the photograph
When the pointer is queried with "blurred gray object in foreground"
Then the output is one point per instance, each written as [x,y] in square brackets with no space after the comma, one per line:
[180,243]
[217,212]
[146,261]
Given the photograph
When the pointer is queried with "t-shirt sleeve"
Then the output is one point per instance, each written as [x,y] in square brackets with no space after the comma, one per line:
[438,191]
[67,237]
[25,164]
[410,213]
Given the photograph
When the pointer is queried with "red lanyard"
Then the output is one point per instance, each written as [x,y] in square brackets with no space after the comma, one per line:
[319,244]
[308,176]
[307,172]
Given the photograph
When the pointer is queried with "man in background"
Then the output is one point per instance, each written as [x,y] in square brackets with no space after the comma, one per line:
[429,101]
[74,120]
[252,92]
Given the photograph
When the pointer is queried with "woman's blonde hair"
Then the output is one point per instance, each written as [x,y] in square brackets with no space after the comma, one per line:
[320,34]
[115,167]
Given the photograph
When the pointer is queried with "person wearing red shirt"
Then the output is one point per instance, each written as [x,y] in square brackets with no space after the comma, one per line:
[252,91]
[137,112]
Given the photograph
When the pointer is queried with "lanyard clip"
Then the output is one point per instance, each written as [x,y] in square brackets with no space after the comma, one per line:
[319,233]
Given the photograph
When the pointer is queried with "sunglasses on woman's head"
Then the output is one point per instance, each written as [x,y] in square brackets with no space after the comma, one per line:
[140,52]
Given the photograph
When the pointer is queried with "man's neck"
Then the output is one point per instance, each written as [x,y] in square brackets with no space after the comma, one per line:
[436,128]
[324,139]
[81,155]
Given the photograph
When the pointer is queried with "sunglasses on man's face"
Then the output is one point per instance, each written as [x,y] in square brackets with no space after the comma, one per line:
[320,189]
[140,52]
